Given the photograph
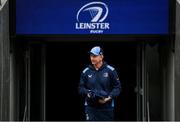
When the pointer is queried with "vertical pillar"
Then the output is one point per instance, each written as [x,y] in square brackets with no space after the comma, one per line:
[177,63]
[4,62]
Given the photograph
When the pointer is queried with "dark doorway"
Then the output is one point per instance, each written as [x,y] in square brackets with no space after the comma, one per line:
[64,64]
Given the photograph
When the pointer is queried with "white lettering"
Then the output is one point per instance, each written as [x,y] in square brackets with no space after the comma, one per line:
[102,26]
[96,31]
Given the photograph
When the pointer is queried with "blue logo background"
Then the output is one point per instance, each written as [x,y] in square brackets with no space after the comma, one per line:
[59,16]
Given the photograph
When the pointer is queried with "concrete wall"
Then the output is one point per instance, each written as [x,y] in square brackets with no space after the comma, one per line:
[154,84]
[177,63]
[160,80]
[169,107]
[167,78]
[4,63]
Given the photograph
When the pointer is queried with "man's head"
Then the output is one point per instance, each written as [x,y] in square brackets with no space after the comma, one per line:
[96,55]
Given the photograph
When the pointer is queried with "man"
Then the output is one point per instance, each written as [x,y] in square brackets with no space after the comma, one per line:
[99,83]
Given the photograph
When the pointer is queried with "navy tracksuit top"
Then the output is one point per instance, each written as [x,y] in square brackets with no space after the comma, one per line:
[104,80]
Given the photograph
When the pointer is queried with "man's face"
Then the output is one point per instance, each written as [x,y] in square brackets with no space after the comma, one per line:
[96,59]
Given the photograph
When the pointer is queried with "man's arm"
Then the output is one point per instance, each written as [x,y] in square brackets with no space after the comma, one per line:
[116,86]
[82,89]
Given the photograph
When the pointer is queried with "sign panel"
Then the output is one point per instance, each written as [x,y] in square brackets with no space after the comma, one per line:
[92,17]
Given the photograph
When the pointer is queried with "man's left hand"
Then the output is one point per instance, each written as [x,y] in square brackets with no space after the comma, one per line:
[102,101]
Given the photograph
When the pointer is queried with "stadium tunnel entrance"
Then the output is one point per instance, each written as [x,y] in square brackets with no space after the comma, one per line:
[47,77]
[64,64]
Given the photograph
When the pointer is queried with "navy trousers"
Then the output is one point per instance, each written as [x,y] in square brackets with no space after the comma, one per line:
[95,114]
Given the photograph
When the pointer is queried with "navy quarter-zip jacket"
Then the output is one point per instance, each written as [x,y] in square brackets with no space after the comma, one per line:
[104,81]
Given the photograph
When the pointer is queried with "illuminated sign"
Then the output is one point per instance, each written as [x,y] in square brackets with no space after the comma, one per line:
[92,17]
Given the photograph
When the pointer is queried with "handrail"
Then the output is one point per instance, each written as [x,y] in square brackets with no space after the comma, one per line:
[148,112]
[25,111]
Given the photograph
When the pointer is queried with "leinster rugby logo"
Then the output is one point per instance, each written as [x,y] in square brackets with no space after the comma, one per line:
[91,17]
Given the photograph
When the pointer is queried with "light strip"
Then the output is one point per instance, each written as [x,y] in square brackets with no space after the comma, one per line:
[2,4]
[178,1]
